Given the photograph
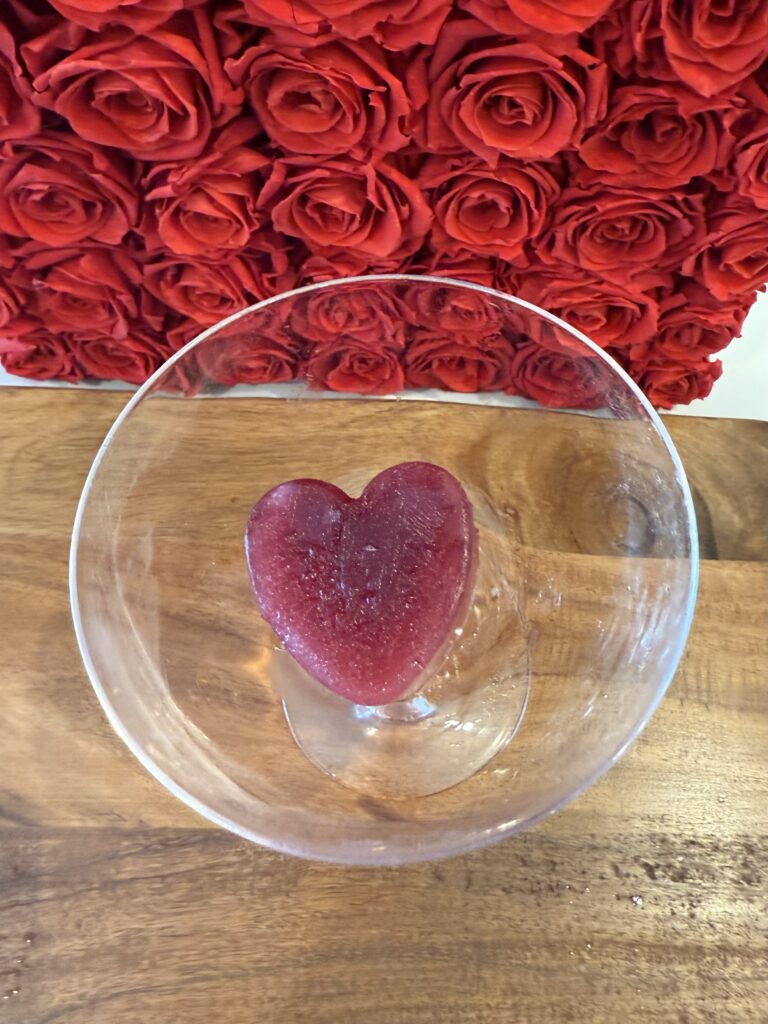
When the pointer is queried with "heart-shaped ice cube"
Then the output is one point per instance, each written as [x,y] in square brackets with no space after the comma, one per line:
[365,593]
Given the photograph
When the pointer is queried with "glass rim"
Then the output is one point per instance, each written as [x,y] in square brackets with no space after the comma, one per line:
[404,853]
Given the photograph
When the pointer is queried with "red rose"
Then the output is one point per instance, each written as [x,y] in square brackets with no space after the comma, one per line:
[556,378]
[712,48]
[607,313]
[28,18]
[750,165]
[132,359]
[141,15]
[11,299]
[356,365]
[444,359]
[59,190]
[625,234]
[180,331]
[156,97]
[506,277]
[370,209]
[272,263]
[396,24]
[735,259]
[324,96]
[693,325]
[95,287]
[41,355]
[364,312]
[233,28]
[14,291]
[333,263]
[316,269]
[451,311]
[657,137]
[8,251]
[18,115]
[460,264]
[206,207]
[492,212]
[261,354]
[755,88]
[499,97]
[553,17]
[630,40]
[205,292]
[668,384]
[184,376]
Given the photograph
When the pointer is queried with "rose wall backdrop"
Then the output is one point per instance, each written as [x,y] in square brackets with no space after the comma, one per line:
[164,163]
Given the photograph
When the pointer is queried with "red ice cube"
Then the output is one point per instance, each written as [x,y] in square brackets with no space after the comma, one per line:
[364,593]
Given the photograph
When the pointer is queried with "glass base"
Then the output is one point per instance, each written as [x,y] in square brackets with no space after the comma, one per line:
[413,747]
[460,717]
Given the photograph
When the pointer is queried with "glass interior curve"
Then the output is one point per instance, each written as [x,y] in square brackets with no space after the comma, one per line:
[589,506]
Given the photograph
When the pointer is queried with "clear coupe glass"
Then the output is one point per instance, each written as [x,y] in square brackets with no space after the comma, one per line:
[581,606]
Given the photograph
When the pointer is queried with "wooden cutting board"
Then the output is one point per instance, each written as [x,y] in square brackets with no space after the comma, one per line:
[646,900]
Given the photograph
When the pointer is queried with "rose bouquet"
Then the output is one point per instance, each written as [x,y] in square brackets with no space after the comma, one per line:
[164,163]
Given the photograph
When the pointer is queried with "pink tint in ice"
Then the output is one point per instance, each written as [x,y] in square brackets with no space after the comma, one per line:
[364,593]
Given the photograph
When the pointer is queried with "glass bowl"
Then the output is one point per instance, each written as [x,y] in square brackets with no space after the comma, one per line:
[582,602]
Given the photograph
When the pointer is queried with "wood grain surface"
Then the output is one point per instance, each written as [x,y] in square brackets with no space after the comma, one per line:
[644,901]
